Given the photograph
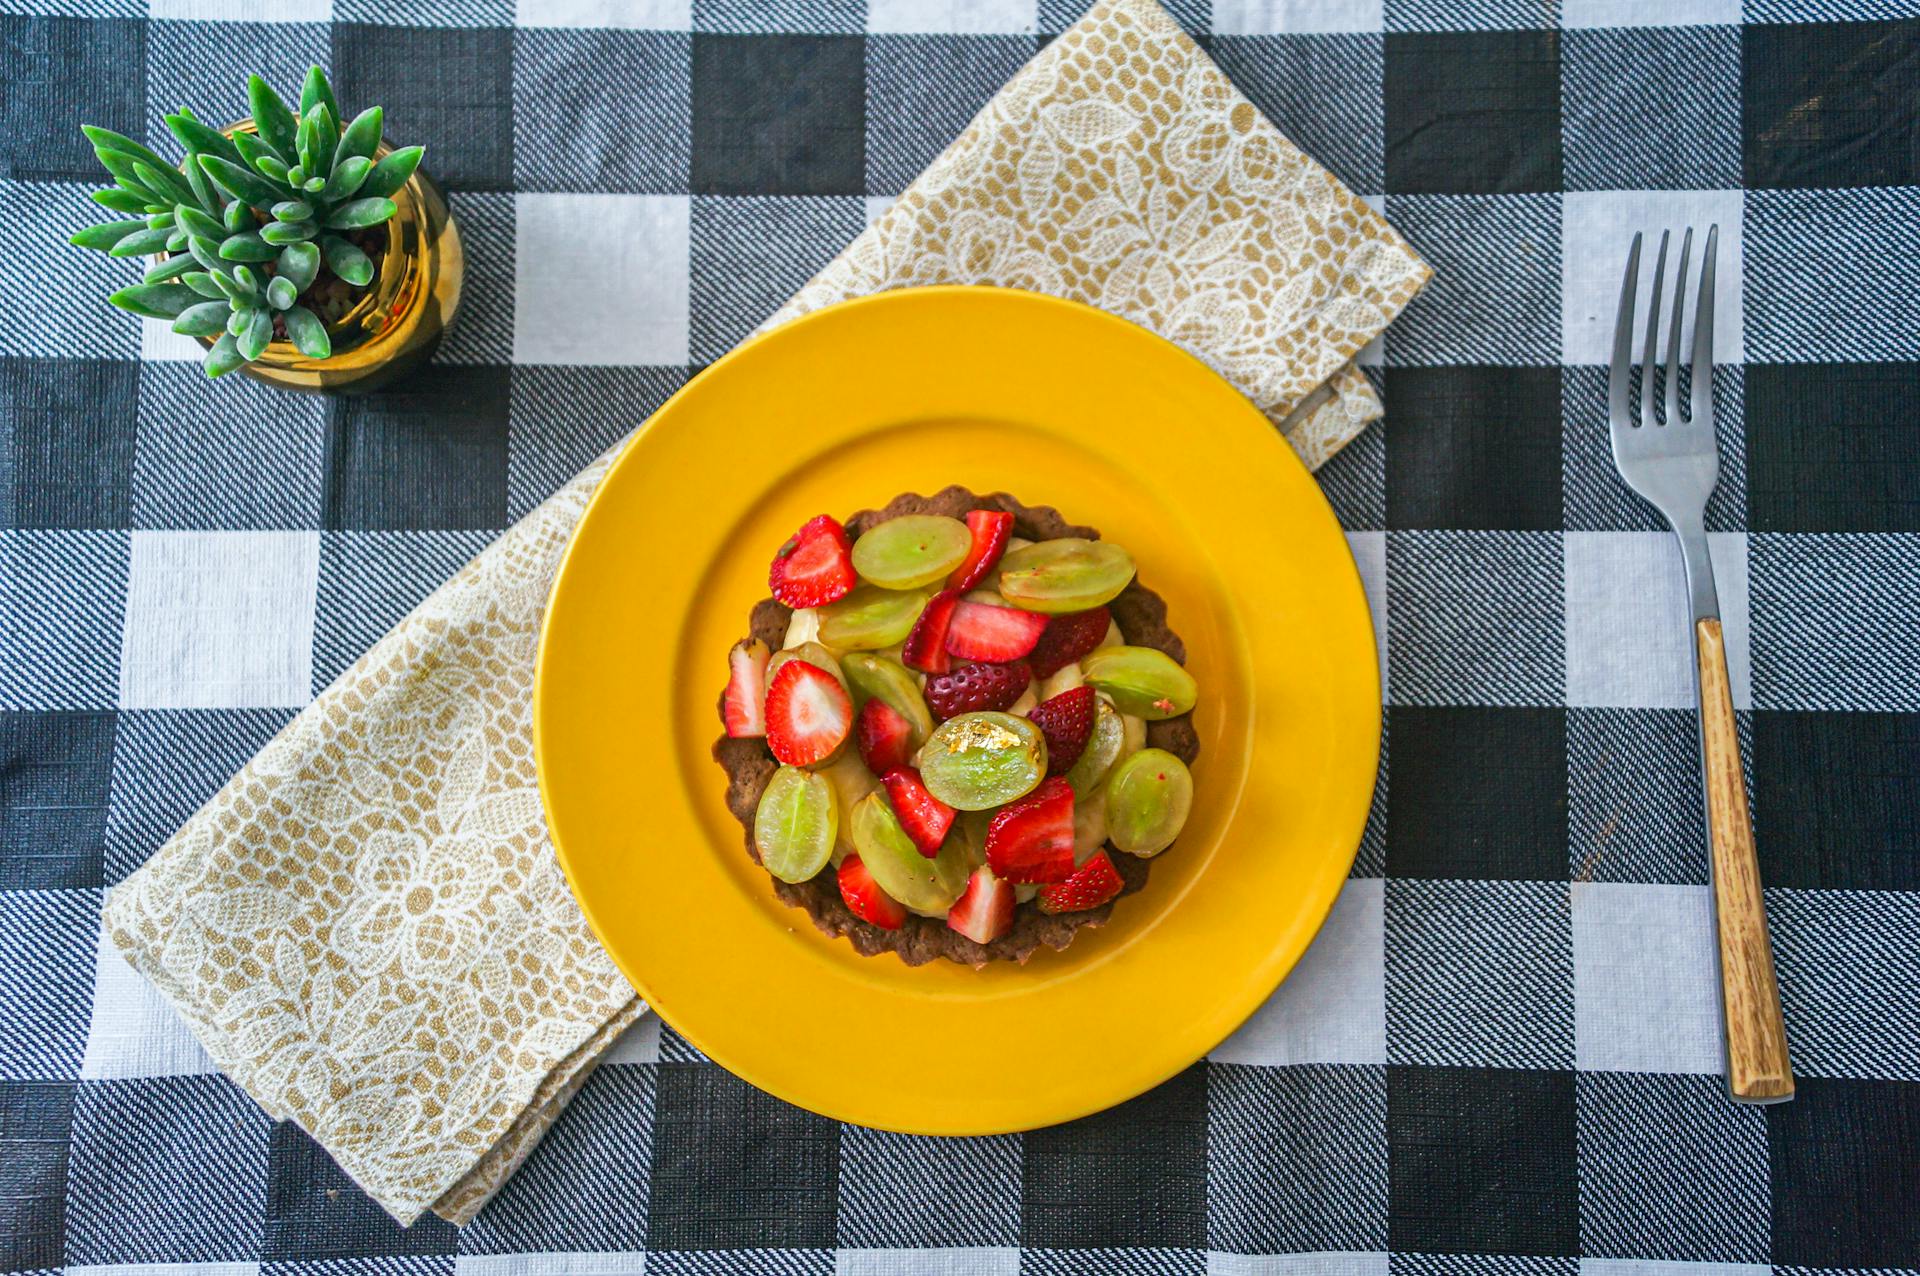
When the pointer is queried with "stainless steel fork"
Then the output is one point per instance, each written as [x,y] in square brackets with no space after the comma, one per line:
[1673,462]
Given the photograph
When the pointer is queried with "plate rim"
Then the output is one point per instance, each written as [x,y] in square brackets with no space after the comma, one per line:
[1316,909]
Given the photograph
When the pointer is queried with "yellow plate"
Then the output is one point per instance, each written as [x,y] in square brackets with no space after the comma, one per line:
[997,390]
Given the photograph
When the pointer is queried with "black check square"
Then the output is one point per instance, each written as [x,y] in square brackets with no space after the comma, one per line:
[1594,496]
[749,255]
[1634,812]
[314,1212]
[587,1190]
[921,91]
[1669,1169]
[1296,1159]
[1476,618]
[1838,954]
[429,452]
[1478,793]
[1832,622]
[47,946]
[56,772]
[203,66]
[815,17]
[737,1169]
[1482,1161]
[166,1170]
[166,764]
[36,1122]
[1647,108]
[225,455]
[571,134]
[1134,1175]
[443,88]
[1322,91]
[1836,799]
[1474,447]
[41,113]
[67,462]
[64,596]
[1830,104]
[1472,112]
[370,580]
[897,1190]
[1844,1175]
[778,115]
[1828,448]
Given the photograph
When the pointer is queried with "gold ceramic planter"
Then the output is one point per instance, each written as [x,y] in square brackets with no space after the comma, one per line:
[398,320]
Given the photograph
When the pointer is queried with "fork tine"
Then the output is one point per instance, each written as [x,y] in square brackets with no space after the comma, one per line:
[1703,332]
[1617,378]
[1647,365]
[1673,336]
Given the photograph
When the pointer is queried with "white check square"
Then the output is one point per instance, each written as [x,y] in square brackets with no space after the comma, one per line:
[1629,630]
[1597,228]
[1296,17]
[953,17]
[616,298]
[629,15]
[1644,979]
[133,1031]
[1333,1007]
[1637,13]
[219,620]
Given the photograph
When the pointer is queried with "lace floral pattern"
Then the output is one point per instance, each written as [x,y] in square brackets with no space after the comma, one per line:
[367,927]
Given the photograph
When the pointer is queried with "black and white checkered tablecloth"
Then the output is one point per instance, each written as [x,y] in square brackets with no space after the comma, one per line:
[1500,1055]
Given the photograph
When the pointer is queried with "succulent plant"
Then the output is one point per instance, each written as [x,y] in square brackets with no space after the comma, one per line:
[248,223]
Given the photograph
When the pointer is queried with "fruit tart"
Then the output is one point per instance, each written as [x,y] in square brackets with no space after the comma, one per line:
[960,728]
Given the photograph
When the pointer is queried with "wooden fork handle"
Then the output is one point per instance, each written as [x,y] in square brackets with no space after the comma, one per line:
[1757,1068]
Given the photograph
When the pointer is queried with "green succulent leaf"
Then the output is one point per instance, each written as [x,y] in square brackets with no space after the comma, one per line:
[156,220]
[245,277]
[346,261]
[208,319]
[361,212]
[293,210]
[172,268]
[314,185]
[348,175]
[271,118]
[258,156]
[361,138]
[121,166]
[106,235]
[203,185]
[247,246]
[243,184]
[155,301]
[201,282]
[296,176]
[304,143]
[164,181]
[271,168]
[108,140]
[230,290]
[316,91]
[120,201]
[280,234]
[142,242]
[206,251]
[197,137]
[237,216]
[177,241]
[241,319]
[281,293]
[259,331]
[308,334]
[199,223]
[224,357]
[326,138]
[391,173]
[300,265]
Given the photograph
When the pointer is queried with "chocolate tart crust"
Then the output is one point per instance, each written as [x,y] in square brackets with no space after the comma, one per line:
[1142,617]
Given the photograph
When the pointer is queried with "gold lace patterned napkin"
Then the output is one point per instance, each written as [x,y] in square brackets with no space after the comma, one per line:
[367,928]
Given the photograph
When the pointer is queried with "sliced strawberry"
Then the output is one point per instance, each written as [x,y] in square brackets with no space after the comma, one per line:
[1067,722]
[808,713]
[815,567]
[991,530]
[744,708]
[926,648]
[925,817]
[981,631]
[884,736]
[976,688]
[984,911]
[1092,884]
[1031,840]
[1069,638]
[864,896]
